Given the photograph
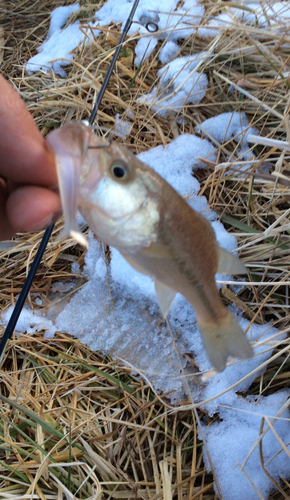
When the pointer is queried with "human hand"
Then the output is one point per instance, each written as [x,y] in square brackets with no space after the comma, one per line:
[27,170]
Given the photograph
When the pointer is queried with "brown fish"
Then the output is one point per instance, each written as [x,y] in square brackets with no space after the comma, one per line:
[132,208]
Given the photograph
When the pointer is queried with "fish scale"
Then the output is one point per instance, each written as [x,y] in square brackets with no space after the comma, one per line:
[133,209]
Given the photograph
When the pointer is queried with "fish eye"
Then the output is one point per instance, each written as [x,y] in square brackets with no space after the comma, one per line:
[120,171]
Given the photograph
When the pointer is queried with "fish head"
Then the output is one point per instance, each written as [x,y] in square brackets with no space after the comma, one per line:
[116,193]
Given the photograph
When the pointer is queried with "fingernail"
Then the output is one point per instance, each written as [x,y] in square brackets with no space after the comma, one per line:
[46,222]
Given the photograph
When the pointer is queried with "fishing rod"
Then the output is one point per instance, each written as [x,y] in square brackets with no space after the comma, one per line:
[151,27]
[24,292]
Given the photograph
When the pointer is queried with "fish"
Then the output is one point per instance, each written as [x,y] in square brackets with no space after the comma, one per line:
[133,209]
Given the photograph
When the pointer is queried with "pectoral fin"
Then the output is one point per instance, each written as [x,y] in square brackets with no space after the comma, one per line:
[165,297]
[229,264]
[135,266]
[156,250]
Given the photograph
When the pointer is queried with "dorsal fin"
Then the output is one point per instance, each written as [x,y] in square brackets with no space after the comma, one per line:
[229,264]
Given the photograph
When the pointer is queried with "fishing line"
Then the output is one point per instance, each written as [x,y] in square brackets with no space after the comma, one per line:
[114,59]
[28,282]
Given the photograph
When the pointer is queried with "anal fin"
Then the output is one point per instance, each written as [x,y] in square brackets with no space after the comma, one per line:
[165,297]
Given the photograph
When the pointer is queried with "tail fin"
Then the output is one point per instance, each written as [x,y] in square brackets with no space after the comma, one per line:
[224,338]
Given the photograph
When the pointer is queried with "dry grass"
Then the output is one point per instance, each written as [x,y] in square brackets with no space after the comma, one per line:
[72,423]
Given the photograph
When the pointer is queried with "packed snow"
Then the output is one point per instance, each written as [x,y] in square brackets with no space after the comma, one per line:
[56,50]
[116,312]
[230,441]
[60,41]
[262,14]
[170,27]
[122,127]
[227,126]
[184,153]
[180,84]
[230,125]
[174,22]
[168,52]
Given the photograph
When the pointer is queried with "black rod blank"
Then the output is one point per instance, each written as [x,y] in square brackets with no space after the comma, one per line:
[25,290]
[113,62]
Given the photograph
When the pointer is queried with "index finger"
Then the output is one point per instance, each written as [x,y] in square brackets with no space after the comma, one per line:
[25,157]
